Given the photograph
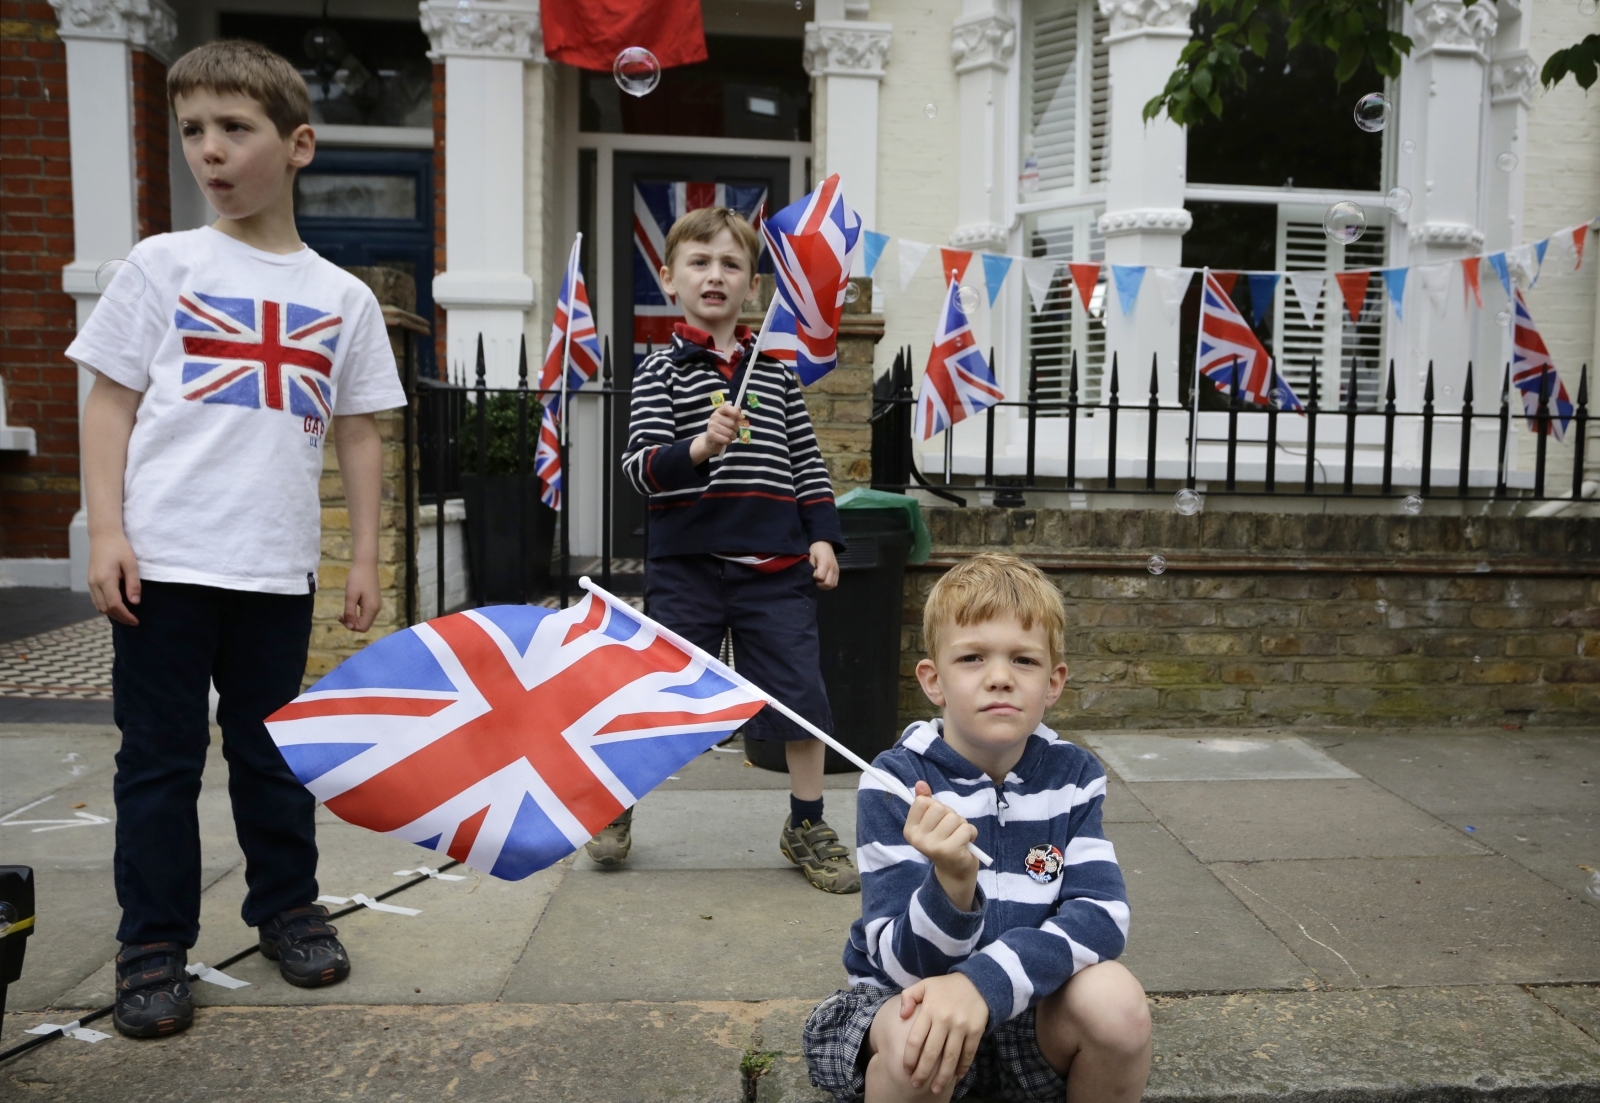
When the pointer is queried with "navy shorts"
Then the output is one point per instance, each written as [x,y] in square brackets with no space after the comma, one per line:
[774,622]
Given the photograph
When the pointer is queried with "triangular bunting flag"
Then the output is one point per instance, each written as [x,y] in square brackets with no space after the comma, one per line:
[911,254]
[1580,234]
[1436,282]
[1173,284]
[1469,273]
[1524,265]
[1540,248]
[1040,273]
[1227,280]
[874,249]
[1084,277]
[1127,277]
[1394,282]
[953,263]
[995,269]
[1262,285]
[1497,261]
[1307,288]
[1354,287]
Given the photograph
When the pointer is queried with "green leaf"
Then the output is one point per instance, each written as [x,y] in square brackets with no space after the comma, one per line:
[1202,83]
[1350,57]
[1258,40]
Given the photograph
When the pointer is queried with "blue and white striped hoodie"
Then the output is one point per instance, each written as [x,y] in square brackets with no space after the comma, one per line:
[1052,903]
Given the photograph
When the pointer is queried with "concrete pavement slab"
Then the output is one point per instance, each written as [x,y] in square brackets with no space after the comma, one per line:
[1481,773]
[1579,1005]
[725,768]
[73,936]
[32,759]
[1364,922]
[1245,821]
[1188,933]
[638,934]
[1121,806]
[1222,757]
[1564,850]
[719,829]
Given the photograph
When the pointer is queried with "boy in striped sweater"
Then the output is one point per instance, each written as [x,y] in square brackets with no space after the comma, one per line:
[998,981]
[742,521]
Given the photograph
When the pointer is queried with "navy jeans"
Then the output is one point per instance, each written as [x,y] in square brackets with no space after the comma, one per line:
[253,646]
[774,622]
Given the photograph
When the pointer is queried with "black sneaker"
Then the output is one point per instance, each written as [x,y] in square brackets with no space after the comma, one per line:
[304,945]
[153,997]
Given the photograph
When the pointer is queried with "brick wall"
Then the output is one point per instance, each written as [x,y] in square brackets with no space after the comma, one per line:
[441,349]
[150,145]
[38,494]
[1267,619]
[840,403]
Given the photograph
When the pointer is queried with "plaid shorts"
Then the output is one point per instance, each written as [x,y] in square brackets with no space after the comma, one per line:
[1007,1069]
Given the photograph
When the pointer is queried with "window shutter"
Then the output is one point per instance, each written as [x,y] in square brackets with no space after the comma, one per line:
[1053,80]
[1099,100]
[1333,339]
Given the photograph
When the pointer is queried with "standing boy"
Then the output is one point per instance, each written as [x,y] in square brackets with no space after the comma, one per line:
[999,981]
[742,521]
[220,357]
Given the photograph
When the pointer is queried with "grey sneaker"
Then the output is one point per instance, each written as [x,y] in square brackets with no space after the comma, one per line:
[609,849]
[816,849]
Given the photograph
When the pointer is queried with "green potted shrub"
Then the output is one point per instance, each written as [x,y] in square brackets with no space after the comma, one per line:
[491,490]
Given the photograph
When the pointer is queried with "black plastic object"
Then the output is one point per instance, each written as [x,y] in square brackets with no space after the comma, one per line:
[16,923]
[859,626]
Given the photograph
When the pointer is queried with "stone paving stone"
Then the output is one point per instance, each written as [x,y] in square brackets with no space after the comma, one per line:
[724,768]
[1200,756]
[720,829]
[1188,933]
[31,763]
[1580,1006]
[1121,806]
[1365,922]
[1564,850]
[1246,821]
[635,934]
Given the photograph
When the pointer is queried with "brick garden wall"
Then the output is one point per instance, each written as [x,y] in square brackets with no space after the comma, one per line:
[1267,619]
[151,144]
[840,403]
[38,494]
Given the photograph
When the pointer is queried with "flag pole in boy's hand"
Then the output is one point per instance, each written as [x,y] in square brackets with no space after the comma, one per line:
[755,351]
[883,777]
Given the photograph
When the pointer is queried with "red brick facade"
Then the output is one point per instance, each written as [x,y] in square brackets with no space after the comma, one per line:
[440,351]
[38,494]
[150,145]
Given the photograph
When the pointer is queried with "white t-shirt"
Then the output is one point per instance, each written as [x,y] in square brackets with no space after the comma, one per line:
[242,357]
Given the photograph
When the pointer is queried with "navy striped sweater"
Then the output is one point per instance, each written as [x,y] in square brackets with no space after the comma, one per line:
[1052,903]
[769,497]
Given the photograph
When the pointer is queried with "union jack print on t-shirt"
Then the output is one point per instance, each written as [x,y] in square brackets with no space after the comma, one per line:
[255,353]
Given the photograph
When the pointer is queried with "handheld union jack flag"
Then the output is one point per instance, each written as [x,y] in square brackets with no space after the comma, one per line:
[506,737]
[573,338]
[1226,340]
[547,459]
[1533,371]
[958,381]
[813,242]
[255,352]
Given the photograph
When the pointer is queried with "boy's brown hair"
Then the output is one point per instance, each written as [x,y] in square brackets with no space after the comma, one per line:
[246,69]
[993,584]
[707,223]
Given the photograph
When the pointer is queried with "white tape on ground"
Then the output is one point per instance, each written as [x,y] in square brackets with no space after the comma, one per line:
[361,898]
[326,899]
[426,872]
[71,1030]
[201,971]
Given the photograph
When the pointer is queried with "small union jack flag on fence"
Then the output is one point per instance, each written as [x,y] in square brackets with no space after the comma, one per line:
[508,736]
[255,352]
[1228,350]
[1532,371]
[958,381]
[547,459]
[582,352]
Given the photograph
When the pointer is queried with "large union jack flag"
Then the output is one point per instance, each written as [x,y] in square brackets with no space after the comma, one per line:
[506,737]
[655,208]
[812,243]
[582,353]
[1228,349]
[958,381]
[255,352]
[1533,371]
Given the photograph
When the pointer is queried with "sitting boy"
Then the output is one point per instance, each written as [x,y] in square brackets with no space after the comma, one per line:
[997,981]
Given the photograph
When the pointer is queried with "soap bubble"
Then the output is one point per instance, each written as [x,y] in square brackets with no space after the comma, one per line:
[1372,112]
[1481,568]
[464,13]
[76,765]
[1503,318]
[1398,200]
[1156,564]
[121,281]
[1345,222]
[930,110]
[1408,146]
[1588,7]
[1506,162]
[637,71]
[852,291]
[1593,887]
[797,5]
[968,298]
[1412,504]
[1186,502]
[1383,606]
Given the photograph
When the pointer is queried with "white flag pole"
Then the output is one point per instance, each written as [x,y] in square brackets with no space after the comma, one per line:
[566,344]
[755,351]
[887,780]
[1194,389]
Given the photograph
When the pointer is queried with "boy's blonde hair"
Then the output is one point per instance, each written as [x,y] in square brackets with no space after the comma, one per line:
[993,584]
[246,69]
[707,223]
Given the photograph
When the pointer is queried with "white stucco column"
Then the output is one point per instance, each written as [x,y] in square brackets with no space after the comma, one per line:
[100,36]
[485,287]
[1145,220]
[983,43]
[1443,86]
[845,58]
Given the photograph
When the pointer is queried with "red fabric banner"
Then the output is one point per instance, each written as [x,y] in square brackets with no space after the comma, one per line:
[954,260]
[1085,276]
[1354,286]
[1469,273]
[589,34]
